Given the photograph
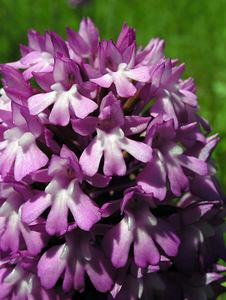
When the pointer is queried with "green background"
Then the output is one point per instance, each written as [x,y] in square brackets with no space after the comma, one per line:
[194,31]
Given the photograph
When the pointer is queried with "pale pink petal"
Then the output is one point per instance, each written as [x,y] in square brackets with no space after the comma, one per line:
[31,58]
[103,81]
[141,74]
[51,265]
[84,211]
[117,242]
[139,150]
[92,153]
[33,239]
[123,86]
[114,163]
[28,161]
[56,222]
[7,158]
[34,207]
[82,106]
[39,102]
[10,239]
[60,114]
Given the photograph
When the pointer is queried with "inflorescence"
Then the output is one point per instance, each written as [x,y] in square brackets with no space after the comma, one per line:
[106,179]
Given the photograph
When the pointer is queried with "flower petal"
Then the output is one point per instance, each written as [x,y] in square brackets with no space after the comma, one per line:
[28,161]
[117,242]
[34,207]
[145,251]
[100,271]
[39,102]
[123,86]
[139,74]
[51,265]
[56,222]
[33,239]
[92,153]
[114,163]
[84,211]
[139,150]
[153,178]
[60,114]
[82,106]
[103,81]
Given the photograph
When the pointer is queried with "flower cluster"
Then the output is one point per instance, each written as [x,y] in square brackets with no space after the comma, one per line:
[106,179]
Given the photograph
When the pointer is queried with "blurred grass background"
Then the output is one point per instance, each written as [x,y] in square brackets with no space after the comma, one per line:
[194,31]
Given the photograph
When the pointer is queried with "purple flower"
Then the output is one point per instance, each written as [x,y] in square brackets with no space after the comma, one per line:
[110,141]
[20,282]
[73,262]
[12,229]
[168,159]
[84,43]
[107,185]
[62,94]
[142,228]
[119,68]
[63,193]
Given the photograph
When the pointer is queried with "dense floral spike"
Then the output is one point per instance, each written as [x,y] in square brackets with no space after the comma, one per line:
[107,186]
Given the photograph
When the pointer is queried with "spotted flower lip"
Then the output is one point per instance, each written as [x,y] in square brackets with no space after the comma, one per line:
[107,185]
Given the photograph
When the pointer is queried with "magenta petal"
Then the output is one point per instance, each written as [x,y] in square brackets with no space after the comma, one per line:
[145,251]
[99,180]
[10,238]
[153,178]
[68,278]
[51,265]
[135,124]
[84,126]
[79,276]
[194,164]
[100,271]
[5,286]
[165,236]
[117,242]
[178,181]
[164,106]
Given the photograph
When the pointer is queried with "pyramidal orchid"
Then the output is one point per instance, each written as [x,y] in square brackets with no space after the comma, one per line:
[107,186]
